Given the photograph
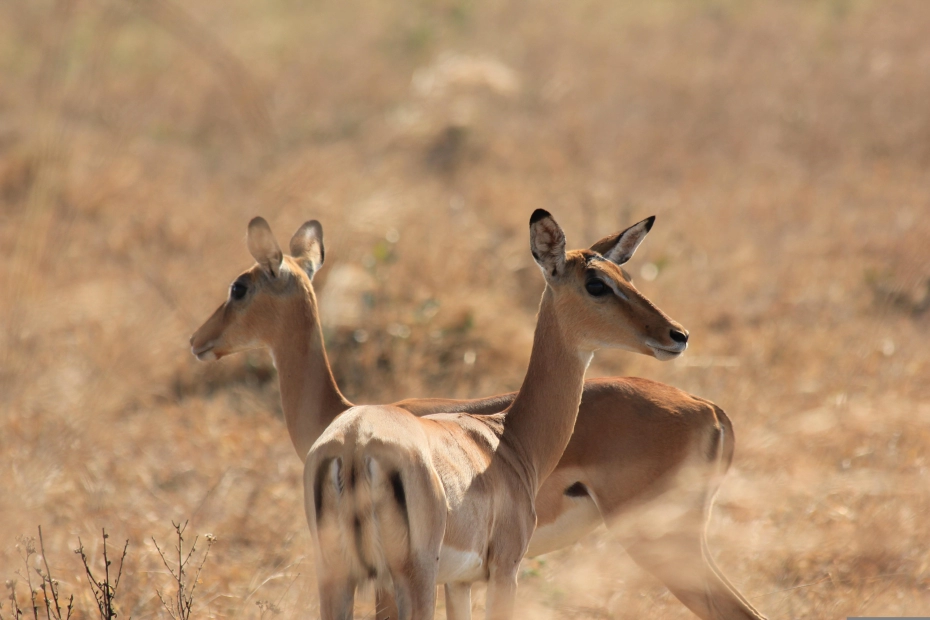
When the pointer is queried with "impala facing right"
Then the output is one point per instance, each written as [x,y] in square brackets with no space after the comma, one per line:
[450,498]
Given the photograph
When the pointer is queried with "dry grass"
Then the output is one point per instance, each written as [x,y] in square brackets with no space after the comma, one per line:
[785,147]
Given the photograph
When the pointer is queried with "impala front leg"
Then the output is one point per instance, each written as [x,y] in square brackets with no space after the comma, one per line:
[458,601]
[502,592]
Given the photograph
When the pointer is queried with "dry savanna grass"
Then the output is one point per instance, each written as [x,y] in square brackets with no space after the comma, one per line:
[784,147]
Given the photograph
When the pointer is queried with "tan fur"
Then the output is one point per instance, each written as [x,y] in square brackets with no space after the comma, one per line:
[633,440]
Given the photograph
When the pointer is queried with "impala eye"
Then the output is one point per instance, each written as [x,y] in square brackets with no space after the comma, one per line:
[238,290]
[596,287]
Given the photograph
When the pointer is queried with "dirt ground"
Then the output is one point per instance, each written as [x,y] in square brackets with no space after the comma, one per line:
[783,146]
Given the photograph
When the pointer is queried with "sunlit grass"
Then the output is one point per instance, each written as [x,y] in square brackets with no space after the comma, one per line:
[783,148]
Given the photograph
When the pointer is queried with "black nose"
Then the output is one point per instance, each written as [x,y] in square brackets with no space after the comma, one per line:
[679,336]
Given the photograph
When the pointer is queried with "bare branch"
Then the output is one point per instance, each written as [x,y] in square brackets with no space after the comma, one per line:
[182,605]
[104,591]
[15,612]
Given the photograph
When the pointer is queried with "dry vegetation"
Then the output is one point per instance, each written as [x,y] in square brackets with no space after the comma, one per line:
[784,146]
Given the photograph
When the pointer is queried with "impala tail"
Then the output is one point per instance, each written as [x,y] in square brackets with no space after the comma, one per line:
[376,508]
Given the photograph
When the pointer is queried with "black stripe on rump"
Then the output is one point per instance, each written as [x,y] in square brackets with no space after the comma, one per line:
[318,486]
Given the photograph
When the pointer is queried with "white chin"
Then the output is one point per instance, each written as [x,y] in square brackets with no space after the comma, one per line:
[206,356]
[663,356]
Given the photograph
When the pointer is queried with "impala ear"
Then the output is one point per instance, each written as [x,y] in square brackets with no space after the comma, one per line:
[547,243]
[619,247]
[307,247]
[263,247]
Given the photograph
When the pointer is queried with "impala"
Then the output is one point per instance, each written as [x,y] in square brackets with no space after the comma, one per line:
[640,449]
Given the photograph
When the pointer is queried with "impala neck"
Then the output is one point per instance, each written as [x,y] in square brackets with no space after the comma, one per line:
[541,419]
[310,397]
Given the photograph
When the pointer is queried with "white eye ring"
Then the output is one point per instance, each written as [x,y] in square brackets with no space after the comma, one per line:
[617,291]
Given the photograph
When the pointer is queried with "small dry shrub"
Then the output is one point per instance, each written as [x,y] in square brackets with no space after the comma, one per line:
[180,606]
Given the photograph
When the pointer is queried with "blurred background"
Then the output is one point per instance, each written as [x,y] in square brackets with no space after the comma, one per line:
[784,147]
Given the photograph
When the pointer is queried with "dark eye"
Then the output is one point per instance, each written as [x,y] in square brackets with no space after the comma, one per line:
[596,287]
[238,290]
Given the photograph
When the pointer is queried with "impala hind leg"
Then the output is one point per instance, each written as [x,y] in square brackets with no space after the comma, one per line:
[415,594]
[682,561]
[458,601]
[385,605]
[337,600]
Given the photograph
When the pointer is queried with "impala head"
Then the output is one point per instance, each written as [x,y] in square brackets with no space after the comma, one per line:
[254,313]
[599,304]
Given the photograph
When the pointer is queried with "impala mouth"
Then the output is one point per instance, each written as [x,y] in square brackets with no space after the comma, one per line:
[205,352]
[663,353]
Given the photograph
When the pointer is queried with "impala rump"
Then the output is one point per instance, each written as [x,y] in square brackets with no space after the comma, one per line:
[371,504]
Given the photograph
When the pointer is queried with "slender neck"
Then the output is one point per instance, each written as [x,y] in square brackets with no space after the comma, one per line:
[541,419]
[310,397]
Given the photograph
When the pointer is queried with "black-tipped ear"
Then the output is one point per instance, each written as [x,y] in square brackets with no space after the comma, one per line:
[547,243]
[263,247]
[620,247]
[307,246]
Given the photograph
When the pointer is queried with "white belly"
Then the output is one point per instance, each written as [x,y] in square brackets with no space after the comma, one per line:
[576,522]
[456,565]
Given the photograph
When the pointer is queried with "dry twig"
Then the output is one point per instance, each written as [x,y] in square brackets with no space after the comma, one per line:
[48,585]
[180,607]
[104,591]
[15,612]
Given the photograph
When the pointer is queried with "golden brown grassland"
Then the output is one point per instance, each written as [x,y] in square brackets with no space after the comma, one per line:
[784,146]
